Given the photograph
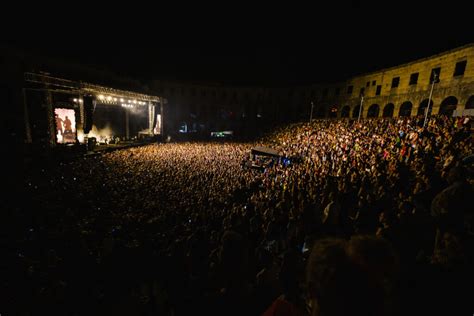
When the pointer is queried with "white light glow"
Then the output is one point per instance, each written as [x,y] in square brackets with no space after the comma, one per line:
[101,135]
[157,129]
[80,136]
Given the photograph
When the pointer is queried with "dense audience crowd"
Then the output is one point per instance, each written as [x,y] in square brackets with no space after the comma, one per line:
[367,218]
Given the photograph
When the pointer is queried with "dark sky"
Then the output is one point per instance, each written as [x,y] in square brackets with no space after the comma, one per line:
[331,45]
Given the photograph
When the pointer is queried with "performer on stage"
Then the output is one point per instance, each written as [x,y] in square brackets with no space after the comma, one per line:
[67,125]
[59,124]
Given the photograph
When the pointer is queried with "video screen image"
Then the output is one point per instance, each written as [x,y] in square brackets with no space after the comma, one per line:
[65,125]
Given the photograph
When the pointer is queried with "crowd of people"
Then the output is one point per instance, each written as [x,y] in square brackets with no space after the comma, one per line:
[368,218]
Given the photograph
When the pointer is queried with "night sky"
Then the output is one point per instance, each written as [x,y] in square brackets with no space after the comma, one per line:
[332,45]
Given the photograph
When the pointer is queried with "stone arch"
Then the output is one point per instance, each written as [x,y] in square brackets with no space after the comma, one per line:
[345,111]
[355,111]
[373,111]
[470,103]
[388,110]
[422,107]
[448,106]
[405,109]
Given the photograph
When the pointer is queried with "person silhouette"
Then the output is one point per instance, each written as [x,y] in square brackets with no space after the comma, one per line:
[67,125]
[59,124]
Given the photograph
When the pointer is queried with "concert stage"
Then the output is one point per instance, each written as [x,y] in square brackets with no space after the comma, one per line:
[62,116]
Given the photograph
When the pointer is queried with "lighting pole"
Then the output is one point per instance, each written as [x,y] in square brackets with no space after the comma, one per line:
[311,115]
[360,107]
[429,99]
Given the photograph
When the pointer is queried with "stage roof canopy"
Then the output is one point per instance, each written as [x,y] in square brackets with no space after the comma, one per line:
[103,94]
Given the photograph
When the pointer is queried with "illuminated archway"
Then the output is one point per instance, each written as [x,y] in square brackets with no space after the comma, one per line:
[470,103]
[422,107]
[355,111]
[448,106]
[345,111]
[373,111]
[388,110]
[405,109]
[333,112]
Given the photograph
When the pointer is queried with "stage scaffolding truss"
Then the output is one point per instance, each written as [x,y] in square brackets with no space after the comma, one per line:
[48,84]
